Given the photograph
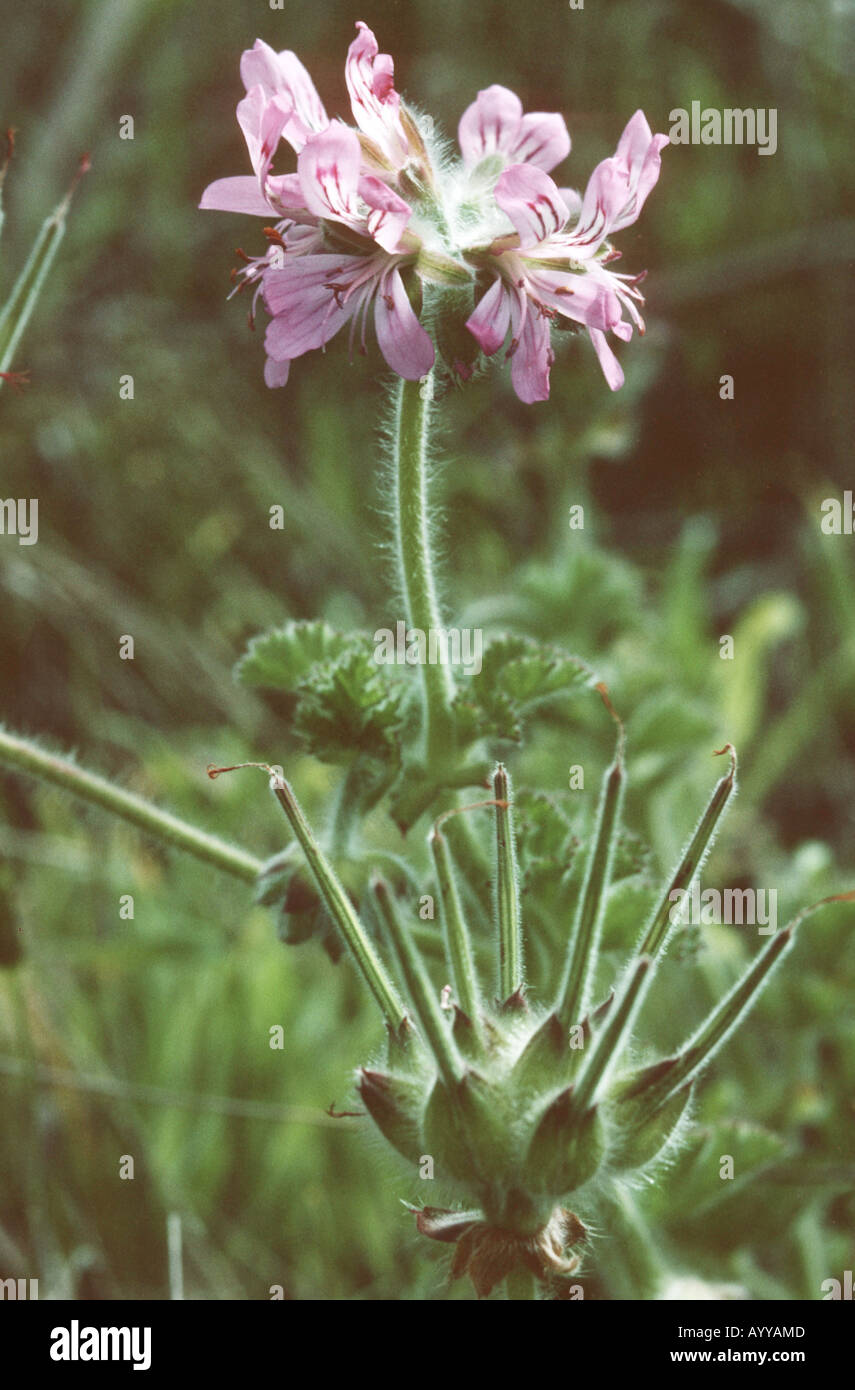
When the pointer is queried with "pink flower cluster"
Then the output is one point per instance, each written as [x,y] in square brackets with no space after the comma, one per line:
[369,212]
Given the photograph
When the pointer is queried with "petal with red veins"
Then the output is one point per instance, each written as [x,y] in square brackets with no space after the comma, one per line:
[542,139]
[262,122]
[284,74]
[240,194]
[531,200]
[583,298]
[533,358]
[328,167]
[370,77]
[287,191]
[634,142]
[405,345]
[605,200]
[307,301]
[389,213]
[492,317]
[491,125]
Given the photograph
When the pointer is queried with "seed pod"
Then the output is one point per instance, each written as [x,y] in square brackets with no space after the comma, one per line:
[566,1150]
[445,1134]
[642,1134]
[542,1062]
[395,1105]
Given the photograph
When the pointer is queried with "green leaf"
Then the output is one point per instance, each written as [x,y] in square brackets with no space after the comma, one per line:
[350,706]
[517,677]
[282,658]
[530,673]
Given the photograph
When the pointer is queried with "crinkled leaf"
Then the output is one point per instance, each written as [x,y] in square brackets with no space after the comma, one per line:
[350,706]
[529,673]
[282,658]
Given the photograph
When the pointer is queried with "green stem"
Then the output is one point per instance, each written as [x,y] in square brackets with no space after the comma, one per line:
[611,1040]
[347,809]
[414,560]
[659,929]
[429,1015]
[507,891]
[29,284]
[24,756]
[583,953]
[456,934]
[340,908]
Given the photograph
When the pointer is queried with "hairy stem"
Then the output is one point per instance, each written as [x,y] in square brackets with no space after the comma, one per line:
[340,908]
[24,756]
[507,891]
[582,955]
[415,561]
[428,1012]
[456,933]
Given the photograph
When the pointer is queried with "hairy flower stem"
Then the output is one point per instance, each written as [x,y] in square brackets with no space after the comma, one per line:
[24,756]
[340,908]
[414,559]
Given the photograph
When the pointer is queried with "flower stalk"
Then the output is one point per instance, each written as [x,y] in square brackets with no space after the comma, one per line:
[23,755]
[413,554]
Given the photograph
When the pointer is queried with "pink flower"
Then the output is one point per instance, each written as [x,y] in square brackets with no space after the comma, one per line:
[333,187]
[283,77]
[495,125]
[367,207]
[370,77]
[310,298]
[545,268]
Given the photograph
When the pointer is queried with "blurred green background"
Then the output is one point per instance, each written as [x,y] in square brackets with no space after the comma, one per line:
[702,519]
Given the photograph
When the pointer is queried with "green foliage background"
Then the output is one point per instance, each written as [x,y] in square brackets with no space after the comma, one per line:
[702,518]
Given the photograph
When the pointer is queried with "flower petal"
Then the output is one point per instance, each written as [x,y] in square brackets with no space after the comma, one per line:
[376,105]
[490,125]
[262,122]
[532,358]
[531,200]
[542,140]
[492,317]
[389,213]
[283,74]
[408,349]
[276,373]
[240,194]
[611,367]
[307,299]
[328,167]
